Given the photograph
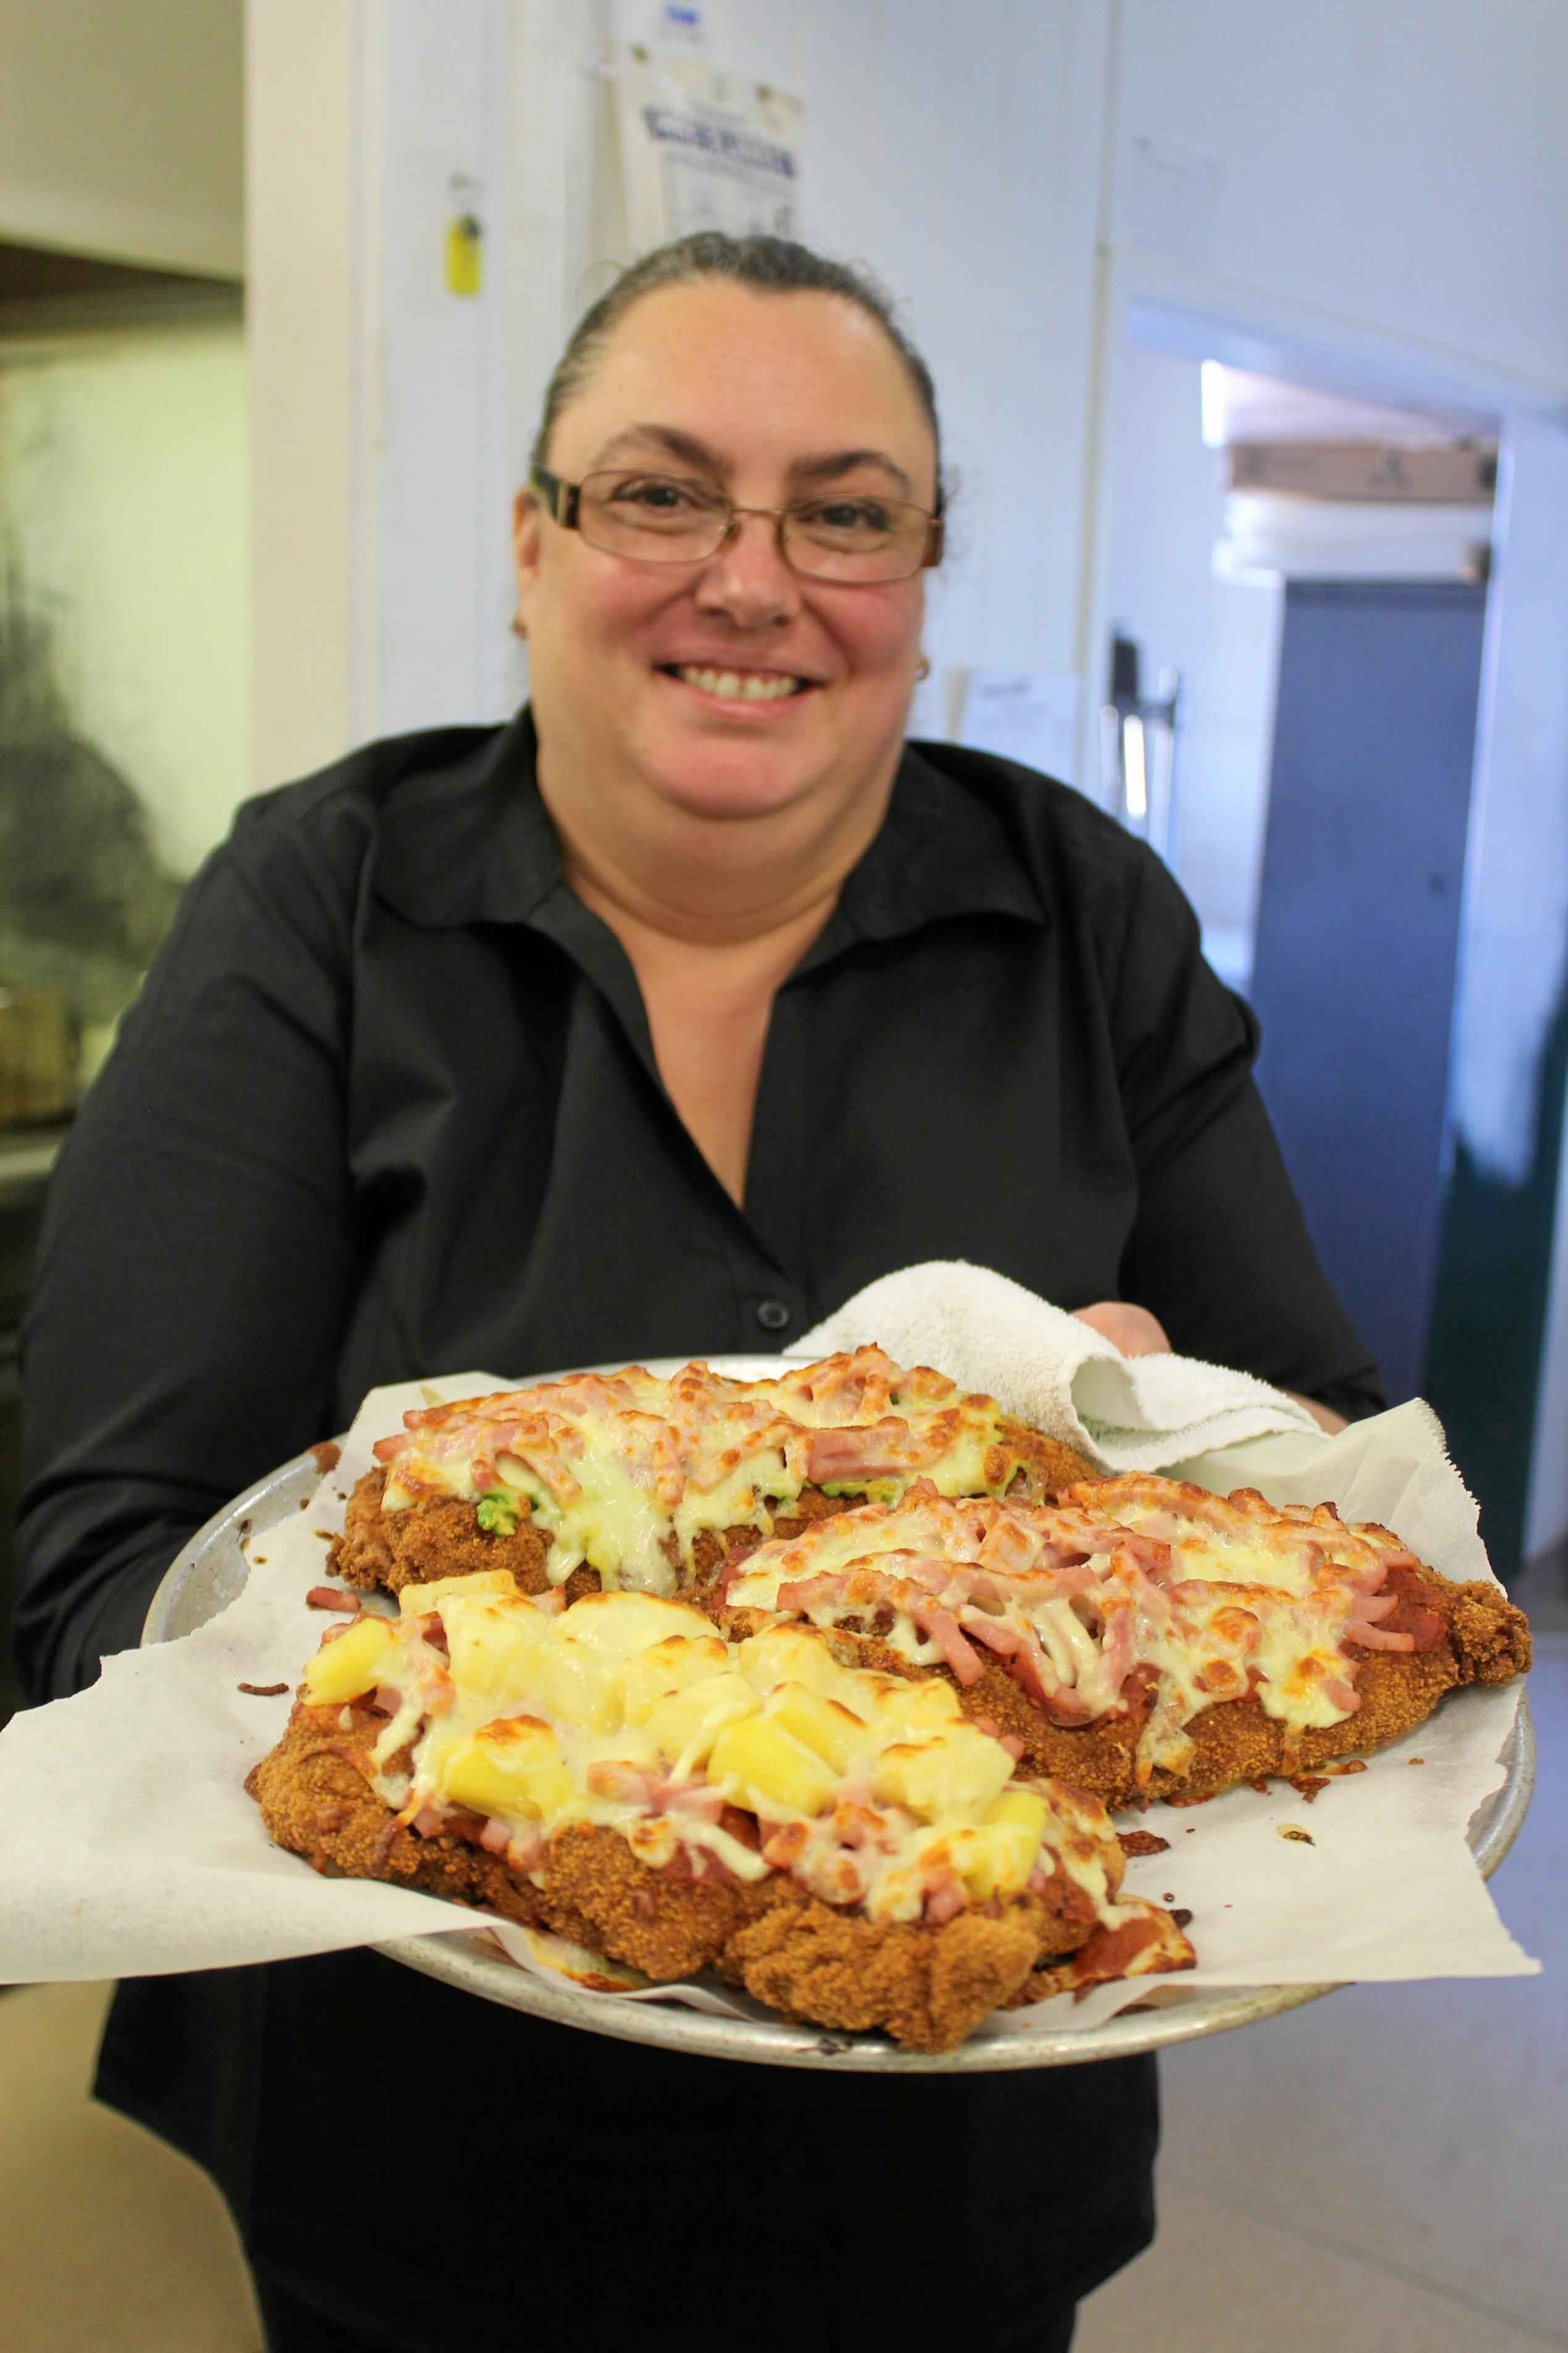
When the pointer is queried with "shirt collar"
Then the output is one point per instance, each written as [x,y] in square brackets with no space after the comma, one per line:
[471,843]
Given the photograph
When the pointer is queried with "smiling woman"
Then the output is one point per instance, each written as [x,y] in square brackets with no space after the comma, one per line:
[661,1019]
[728,630]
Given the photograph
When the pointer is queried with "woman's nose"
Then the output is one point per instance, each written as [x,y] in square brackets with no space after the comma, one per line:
[748,579]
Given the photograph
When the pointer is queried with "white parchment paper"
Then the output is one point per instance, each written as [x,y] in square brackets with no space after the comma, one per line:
[128,1845]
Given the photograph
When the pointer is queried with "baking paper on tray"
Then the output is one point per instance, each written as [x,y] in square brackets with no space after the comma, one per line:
[128,1845]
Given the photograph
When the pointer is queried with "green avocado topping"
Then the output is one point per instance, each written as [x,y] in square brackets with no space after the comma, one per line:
[497,1515]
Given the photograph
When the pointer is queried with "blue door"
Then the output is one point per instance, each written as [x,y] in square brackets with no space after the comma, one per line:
[1358,932]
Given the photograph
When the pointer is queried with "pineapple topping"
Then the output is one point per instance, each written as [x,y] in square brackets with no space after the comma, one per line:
[628,1711]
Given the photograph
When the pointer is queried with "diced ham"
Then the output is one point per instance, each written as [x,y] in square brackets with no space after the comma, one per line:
[332,1596]
[942,1627]
[1376,1638]
[994,1633]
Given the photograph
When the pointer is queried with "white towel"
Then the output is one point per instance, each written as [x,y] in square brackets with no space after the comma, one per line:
[1126,1413]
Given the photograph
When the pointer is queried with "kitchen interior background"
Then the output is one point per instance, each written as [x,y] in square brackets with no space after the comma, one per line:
[1250,330]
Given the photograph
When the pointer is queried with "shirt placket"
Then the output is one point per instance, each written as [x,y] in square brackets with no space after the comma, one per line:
[759,1243]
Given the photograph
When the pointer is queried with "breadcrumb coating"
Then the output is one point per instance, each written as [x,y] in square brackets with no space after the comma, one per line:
[1486,1639]
[927,1985]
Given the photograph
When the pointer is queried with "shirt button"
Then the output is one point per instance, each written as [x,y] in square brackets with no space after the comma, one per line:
[771,1315]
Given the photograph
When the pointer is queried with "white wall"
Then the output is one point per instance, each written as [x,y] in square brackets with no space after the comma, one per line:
[123,504]
[1398,167]
[119,130]
[1166,509]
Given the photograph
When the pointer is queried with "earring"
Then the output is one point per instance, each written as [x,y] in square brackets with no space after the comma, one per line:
[518,627]
[923,669]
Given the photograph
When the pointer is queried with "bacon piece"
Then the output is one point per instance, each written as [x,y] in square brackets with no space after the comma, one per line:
[945,1901]
[941,1626]
[1410,1614]
[1374,1638]
[332,1596]
[994,1633]
[783,1848]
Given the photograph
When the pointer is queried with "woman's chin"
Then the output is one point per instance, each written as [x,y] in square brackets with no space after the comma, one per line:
[729,791]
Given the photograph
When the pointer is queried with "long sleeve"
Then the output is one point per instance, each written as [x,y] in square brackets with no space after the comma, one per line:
[198,1255]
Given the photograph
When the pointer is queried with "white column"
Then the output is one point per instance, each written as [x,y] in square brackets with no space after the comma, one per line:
[386,445]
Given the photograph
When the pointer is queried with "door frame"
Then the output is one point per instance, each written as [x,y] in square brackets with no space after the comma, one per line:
[1187,312]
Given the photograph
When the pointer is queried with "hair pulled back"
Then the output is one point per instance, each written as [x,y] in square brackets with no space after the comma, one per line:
[769,265]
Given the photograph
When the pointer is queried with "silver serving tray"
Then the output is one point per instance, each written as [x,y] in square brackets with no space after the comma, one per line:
[212,1570]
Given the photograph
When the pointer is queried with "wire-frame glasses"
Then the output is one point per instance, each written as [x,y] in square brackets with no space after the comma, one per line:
[848,536]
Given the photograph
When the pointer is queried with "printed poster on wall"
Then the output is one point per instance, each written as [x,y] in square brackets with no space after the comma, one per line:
[703,149]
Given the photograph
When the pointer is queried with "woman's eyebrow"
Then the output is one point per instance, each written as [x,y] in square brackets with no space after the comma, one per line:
[833,469]
[666,437]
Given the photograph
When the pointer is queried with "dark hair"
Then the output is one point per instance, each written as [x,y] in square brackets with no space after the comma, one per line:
[770,265]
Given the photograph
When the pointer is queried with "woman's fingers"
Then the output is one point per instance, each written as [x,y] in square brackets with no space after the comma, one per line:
[1131,1329]
[1138,1334]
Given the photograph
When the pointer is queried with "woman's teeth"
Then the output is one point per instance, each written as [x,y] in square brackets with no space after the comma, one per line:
[741,686]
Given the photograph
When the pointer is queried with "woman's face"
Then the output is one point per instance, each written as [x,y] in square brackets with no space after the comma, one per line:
[636,667]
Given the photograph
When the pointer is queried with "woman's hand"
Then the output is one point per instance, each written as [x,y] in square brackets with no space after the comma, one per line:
[1131,1329]
[1138,1334]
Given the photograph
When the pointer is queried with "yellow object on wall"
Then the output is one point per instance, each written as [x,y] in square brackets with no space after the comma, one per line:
[465,256]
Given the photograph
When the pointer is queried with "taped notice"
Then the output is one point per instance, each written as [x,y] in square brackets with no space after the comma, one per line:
[702,149]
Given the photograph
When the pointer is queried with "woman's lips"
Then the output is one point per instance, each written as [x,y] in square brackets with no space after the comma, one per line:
[746,687]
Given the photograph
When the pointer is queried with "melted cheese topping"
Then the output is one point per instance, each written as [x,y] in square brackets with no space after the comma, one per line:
[626,1469]
[1211,1598]
[628,1712]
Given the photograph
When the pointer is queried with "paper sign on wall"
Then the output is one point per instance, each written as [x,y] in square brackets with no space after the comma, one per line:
[702,149]
[1022,716]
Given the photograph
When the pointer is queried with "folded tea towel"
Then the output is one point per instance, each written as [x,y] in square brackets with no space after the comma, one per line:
[1126,1413]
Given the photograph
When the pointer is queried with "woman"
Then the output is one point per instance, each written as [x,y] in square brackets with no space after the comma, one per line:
[657,1021]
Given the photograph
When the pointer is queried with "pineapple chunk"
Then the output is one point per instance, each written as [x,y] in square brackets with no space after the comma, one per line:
[512,1768]
[354,1664]
[914,1711]
[670,1666]
[687,1722]
[494,1645]
[959,1773]
[792,1654]
[1024,1805]
[996,1858]
[769,1770]
[836,1734]
[618,1625]
[418,1600]
[511,1652]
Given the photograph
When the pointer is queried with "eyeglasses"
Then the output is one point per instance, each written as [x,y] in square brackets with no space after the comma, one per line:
[666,518]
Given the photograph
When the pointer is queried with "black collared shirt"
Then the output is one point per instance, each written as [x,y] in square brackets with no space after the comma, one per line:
[388,1105]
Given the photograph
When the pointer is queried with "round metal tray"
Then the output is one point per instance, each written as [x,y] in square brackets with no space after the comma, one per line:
[212,1570]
